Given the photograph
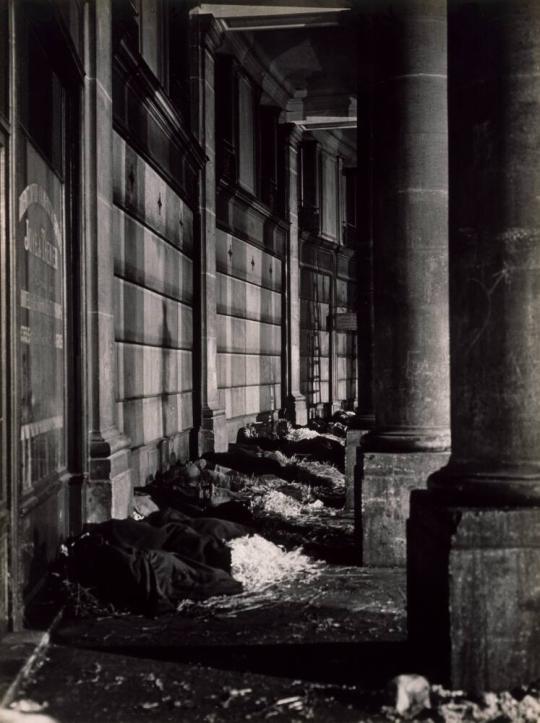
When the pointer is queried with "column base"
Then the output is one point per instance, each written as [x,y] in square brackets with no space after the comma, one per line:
[106,499]
[364,421]
[474,484]
[385,483]
[409,439]
[108,491]
[334,407]
[473,593]
[297,410]
[212,435]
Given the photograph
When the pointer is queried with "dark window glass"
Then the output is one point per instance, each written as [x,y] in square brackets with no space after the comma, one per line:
[41,99]
[4,58]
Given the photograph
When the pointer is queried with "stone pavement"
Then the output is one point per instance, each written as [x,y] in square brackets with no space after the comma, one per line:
[319,651]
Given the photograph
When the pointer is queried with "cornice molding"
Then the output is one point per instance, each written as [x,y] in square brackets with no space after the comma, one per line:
[288,21]
[209,29]
[335,142]
[135,71]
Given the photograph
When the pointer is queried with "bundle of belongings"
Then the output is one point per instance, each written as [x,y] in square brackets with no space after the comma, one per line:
[150,565]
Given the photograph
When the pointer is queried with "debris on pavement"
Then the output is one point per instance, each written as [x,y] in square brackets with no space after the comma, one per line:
[258,563]
[409,695]
[8,715]
[266,571]
[28,706]
[232,694]
[455,707]
[413,699]
[295,435]
[25,710]
[278,503]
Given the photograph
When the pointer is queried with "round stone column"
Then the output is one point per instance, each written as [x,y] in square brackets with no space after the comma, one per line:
[411,436]
[410,148]
[364,225]
[494,111]
[474,536]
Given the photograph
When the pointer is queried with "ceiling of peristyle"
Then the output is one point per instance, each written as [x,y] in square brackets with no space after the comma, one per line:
[310,47]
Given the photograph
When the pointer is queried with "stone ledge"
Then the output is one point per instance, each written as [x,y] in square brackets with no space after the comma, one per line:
[19,652]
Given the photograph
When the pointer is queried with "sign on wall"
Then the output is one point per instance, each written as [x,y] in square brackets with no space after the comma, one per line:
[40,249]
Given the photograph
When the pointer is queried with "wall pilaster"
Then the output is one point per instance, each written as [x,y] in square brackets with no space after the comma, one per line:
[210,423]
[108,489]
[296,402]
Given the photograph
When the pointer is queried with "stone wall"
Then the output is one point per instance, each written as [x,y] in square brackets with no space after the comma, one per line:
[153,240]
[249,307]
[155,171]
[250,252]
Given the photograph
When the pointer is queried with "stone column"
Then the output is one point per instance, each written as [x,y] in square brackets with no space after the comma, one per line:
[108,490]
[365,416]
[411,338]
[365,411]
[474,539]
[211,429]
[296,403]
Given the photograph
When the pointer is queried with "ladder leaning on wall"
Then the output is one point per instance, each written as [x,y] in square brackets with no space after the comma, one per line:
[314,349]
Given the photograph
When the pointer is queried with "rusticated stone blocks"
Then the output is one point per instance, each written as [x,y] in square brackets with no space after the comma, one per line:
[474,593]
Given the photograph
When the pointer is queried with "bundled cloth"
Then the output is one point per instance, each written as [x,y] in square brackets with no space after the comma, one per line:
[150,565]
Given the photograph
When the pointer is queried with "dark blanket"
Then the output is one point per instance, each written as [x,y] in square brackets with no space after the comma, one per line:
[250,458]
[150,565]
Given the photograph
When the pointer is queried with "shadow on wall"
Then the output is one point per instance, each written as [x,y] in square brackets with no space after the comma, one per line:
[269,361]
[167,456]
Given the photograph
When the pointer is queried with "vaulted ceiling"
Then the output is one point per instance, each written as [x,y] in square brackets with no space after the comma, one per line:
[310,47]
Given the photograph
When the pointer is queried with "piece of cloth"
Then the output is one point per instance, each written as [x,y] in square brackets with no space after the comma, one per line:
[151,565]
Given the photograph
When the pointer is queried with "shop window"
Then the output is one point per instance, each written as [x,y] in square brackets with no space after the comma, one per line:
[4,59]
[350,210]
[41,100]
[330,195]
[246,135]
[153,37]
[268,155]
[310,178]
[178,54]
[226,119]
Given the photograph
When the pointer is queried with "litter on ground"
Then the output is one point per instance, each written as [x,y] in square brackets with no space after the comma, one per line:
[257,563]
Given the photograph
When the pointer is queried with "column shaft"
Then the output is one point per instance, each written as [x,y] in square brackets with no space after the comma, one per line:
[494,97]
[410,440]
[365,416]
[108,492]
[410,229]
[296,402]
[365,409]
[474,537]
[211,432]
